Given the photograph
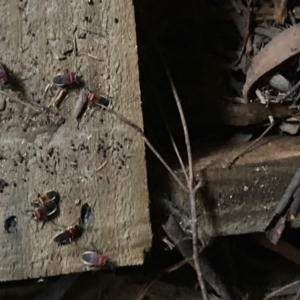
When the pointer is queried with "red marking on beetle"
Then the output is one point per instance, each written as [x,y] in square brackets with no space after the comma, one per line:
[66,78]
[96,98]
[42,212]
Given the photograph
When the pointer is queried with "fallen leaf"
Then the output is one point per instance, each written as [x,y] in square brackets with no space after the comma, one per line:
[269,32]
[280,10]
[240,15]
[282,47]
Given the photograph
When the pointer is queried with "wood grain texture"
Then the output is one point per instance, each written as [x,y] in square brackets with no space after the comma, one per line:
[36,154]
[242,199]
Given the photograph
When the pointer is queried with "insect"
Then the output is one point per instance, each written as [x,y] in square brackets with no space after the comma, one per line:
[64,79]
[42,212]
[94,259]
[10,222]
[46,198]
[45,206]
[95,98]
[69,235]
[3,76]
[85,214]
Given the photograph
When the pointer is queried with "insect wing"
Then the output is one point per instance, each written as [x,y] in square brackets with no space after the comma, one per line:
[103,101]
[63,238]
[93,259]
[51,208]
[51,195]
[66,78]
[87,258]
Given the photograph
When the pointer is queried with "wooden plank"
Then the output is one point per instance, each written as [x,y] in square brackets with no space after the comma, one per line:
[39,155]
[241,199]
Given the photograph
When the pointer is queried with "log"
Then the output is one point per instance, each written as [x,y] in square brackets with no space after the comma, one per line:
[100,161]
[241,199]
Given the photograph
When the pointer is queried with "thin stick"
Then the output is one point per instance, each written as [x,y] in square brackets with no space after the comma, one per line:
[195,240]
[175,146]
[297,296]
[177,265]
[95,57]
[288,93]
[250,146]
[19,101]
[185,130]
[146,141]
[46,90]
[173,268]
[101,167]
[91,31]
[192,189]
[178,155]
[54,98]
[75,44]
[281,289]
[144,290]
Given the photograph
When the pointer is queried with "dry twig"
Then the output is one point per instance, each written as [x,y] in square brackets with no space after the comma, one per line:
[273,294]
[101,167]
[250,146]
[94,57]
[91,31]
[192,188]
[143,291]
[20,101]
[297,295]
[147,142]
[178,155]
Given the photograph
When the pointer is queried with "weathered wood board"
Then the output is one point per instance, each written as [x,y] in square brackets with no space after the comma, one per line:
[39,153]
[241,199]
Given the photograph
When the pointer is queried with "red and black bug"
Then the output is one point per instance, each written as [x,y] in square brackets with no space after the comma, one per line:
[69,235]
[95,98]
[94,259]
[64,79]
[43,212]
[45,206]
[46,198]
[3,76]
